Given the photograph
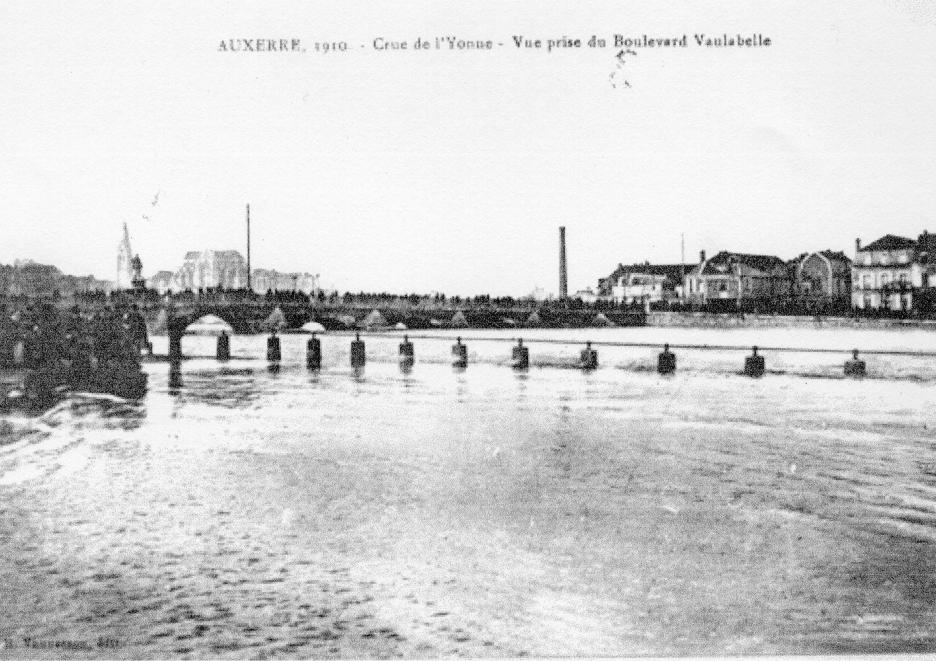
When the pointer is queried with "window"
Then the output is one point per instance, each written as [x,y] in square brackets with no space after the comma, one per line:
[866,282]
[883,280]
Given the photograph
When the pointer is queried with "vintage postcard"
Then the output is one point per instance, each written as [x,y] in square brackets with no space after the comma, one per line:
[467,329]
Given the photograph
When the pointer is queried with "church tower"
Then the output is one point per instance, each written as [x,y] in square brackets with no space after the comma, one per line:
[124,262]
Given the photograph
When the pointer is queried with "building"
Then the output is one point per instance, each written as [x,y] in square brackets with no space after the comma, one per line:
[264,280]
[161,282]
[538,294]
[894,273]
[211,269]
[607,283]
[227,269]
[28,278]
[822,279]
[738,280]
[586,295]
[644,283]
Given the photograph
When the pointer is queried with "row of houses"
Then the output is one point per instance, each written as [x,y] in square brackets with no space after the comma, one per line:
[892,273]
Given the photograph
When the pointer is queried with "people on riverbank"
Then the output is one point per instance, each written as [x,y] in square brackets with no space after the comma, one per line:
[71,349]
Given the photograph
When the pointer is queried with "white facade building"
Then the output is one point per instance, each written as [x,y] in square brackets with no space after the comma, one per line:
[892,272]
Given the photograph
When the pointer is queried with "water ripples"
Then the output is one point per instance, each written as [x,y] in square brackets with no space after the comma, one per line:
[481,512]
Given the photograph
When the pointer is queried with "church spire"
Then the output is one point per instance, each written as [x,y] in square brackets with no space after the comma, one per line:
[124,257]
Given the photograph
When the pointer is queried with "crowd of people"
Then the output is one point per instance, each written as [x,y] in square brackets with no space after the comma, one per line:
[72,345]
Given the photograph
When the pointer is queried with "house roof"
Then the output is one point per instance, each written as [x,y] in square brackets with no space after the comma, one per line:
[889,242]
[670,271]
[722,261]
[835,254]
[828,254]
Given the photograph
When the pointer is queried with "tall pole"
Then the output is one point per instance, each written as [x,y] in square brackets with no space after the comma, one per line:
[563,275]
[249,288]
[682,263]
[682,257]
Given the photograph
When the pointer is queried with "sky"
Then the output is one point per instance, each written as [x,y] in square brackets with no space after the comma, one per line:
[420,171]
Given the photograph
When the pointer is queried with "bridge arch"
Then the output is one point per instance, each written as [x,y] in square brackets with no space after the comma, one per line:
[244,318]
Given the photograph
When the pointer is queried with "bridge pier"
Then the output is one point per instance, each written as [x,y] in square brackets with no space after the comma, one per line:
[224,347]
[175,345]
[175,376]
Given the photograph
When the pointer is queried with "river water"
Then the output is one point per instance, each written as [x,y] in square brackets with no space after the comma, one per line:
[484,512]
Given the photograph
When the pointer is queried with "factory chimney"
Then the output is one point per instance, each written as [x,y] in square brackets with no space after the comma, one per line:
[563,273]
[249,284]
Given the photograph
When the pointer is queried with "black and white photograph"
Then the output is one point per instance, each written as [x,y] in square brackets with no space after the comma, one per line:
[447,329]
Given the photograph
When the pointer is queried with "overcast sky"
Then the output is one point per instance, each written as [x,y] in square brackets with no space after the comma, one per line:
[452,171]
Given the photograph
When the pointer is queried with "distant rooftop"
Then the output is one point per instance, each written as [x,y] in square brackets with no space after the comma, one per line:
[829,254]
[765,263]
[889,242]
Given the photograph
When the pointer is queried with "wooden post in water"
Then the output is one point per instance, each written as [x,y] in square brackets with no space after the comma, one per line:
[407,354]
[589,358]
[666,361]
[521,356]
[273,348]
[855,366]
[754,364]
[314,353]
[358,356]
[459,354]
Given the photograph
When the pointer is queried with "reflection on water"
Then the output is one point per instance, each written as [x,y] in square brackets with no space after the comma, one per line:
[481,511]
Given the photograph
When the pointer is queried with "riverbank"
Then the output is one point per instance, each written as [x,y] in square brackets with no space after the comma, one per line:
[712,320]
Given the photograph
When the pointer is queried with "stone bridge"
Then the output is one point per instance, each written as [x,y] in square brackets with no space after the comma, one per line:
[246,314]
[244,317]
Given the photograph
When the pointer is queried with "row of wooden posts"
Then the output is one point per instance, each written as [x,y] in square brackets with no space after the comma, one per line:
[520,358]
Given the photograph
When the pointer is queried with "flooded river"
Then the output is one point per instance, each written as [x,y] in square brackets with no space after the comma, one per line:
[484,512]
